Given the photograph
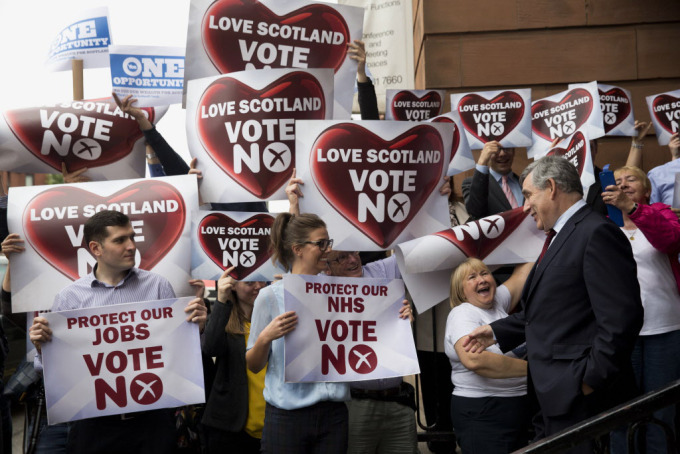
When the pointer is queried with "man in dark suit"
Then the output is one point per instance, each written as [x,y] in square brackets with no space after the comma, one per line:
[581,309]
[493,188]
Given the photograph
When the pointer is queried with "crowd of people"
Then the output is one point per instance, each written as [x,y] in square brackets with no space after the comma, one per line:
[515,355]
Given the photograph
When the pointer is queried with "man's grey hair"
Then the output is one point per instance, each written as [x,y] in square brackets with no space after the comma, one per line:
[556,167]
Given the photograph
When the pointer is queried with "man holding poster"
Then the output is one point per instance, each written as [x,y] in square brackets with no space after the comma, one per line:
[115,280]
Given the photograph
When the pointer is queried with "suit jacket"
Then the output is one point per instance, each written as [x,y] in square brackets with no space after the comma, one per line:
[581,315]
[227,405]
[484,196]
[594,196]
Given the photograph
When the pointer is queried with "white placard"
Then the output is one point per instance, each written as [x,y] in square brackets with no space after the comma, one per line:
[503,116]
[348,330]
[226,36]
[122,358]
[223,239]
[93,134]
[461,156]
[562,114]
[87,37]
[664,109]
[413,105]
[152,75]
[50,219]
[616,104]
[374,183]
[241,127]
[501,239]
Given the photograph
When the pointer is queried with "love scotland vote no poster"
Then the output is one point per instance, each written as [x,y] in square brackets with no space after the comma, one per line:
[51,219]
[374,183]
[348,329]
[123,358]
[92,133]
[241,128]
[226,36]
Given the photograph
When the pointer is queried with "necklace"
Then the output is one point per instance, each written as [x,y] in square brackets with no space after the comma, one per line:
[631,234]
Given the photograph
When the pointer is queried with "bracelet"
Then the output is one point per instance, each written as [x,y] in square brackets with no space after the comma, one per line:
[151,155]
[635,207]
[637,145]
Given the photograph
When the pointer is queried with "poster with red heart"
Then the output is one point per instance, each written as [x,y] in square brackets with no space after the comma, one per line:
[503,116]
[51,218]
[426,263]
[616,104]
[222,239]
[461,156]
[226,36]
[93,133]
[374,183]
[413,105]
[241,127]
[562,114]
[576,149]
[664,109]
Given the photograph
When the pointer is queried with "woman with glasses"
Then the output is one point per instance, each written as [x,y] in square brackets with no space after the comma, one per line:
[299,417]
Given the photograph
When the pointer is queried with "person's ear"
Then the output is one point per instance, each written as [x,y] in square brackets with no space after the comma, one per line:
[553,188]
[95,248]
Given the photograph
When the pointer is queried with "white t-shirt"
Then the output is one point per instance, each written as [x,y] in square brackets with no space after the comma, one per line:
[658,289]
[463,319]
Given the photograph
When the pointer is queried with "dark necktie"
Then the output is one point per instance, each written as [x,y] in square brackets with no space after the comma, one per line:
[550,234]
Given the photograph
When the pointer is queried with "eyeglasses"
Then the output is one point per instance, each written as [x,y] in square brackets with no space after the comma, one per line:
[322,244]
[343,257]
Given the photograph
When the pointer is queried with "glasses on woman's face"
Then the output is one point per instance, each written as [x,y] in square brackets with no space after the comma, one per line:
[322,244]
[343,257]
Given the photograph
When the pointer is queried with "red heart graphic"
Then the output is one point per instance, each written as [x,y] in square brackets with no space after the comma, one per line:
[582,110]
[307,32]
[406,106]
[513,115]
[614,97]
[270,150]
[50,237]
[667,118]
[480,238]
[336,183]
[574,153]
[80,140]
[210,231]
[455,143]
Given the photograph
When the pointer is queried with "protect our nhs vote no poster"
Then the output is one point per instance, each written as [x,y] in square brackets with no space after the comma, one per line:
[152,75]
[461,156]
[348,330]
[226,36]
[375,183]
[426,263]
[51,219]
[413,105]
[503,116]
[222,239]
[562,114]
[92,133]
[664,109]
[119,359]
[87,37]
[241,127]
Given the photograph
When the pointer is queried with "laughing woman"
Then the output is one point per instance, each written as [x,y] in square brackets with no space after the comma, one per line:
[299,417]
[488,405]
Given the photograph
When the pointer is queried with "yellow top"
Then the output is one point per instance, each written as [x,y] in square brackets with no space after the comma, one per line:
[255,421]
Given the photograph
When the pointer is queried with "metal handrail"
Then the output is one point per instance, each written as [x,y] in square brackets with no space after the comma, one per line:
[637,412]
